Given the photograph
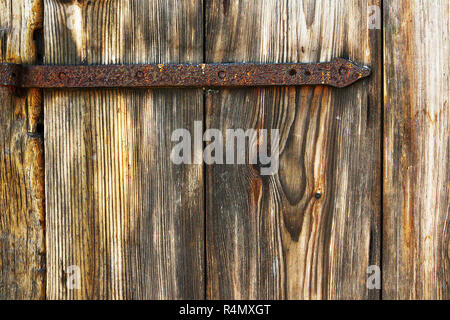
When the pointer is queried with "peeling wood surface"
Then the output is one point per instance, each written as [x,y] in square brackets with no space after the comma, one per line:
[275,237]
[22,241]
[117,207]
[416,227]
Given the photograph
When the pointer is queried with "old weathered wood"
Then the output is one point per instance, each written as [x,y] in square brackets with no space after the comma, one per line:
[22,243]
[312,230]
[117,207]
[416,226]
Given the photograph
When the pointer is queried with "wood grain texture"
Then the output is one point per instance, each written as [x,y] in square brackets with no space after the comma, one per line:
[22,244]
[117,207]
[269,237]
[416,227]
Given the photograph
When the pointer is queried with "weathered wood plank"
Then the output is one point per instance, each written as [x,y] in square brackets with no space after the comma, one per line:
[118,208]
[270,237]
[22,242]
[416,230]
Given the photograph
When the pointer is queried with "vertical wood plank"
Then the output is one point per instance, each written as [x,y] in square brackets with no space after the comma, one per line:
[270,237]
[416,236]
[118,208]
[22,243]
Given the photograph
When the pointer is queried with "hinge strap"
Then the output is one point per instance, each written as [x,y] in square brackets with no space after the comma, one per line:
[339,73]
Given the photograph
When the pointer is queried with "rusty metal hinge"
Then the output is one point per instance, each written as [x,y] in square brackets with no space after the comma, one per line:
[338,73]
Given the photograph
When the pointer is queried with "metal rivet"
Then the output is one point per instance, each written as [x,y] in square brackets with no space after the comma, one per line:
[292,72]
[221,75]
[62,75]
[318,195]
[139,74]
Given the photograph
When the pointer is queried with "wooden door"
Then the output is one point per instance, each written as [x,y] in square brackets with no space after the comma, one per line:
[88,186]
